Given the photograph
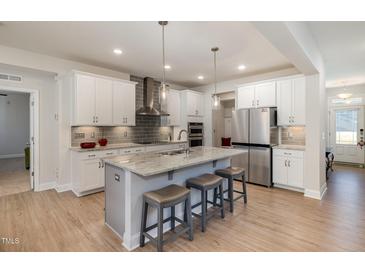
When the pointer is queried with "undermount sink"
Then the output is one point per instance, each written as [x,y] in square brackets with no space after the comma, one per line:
[174,152]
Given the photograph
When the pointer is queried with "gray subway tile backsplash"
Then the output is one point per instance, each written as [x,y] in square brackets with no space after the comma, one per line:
[293,135]
[147,128]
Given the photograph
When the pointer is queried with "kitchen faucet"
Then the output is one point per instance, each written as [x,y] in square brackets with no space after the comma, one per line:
[181,131]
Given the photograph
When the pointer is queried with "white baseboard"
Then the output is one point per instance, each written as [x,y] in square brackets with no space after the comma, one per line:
[45,186]
[289,187]
[8,156]
[315,194]
[63,188]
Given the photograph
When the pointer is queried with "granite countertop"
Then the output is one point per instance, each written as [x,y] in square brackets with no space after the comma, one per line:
[290,147]
[124,145]
[156,163]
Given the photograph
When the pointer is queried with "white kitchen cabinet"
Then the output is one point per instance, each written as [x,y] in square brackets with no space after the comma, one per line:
[195,104]
[96,103]
[173,108]
[124,104]
[265,95]
[88,171]
[254,96]
[103,101]
[291,102]
[91,175]
[246,97]
[84,100]
[288,168]
[298,109]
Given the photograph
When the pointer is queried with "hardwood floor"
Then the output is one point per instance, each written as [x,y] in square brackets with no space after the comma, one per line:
[14,178]
[273,220]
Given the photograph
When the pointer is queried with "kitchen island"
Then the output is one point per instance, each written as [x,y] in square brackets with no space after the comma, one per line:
[128,177]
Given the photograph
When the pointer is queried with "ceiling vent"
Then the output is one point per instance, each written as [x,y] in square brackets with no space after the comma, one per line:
[9,77]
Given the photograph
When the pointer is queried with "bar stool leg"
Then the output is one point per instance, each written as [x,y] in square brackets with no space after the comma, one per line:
[244,188]
[160,228]
[204,210]
[143,223]
[221,200]
[189,217]
[230,193]
[172,218]
[215,197]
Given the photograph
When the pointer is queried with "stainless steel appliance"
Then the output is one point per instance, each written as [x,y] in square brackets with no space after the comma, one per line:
[195,134]
[255,130]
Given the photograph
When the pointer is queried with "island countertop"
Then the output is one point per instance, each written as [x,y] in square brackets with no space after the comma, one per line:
[149,164]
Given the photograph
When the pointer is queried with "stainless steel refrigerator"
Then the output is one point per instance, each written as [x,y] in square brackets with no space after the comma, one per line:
[255,130]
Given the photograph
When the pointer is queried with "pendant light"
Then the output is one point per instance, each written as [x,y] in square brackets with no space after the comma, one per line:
[164,88]
[215,97]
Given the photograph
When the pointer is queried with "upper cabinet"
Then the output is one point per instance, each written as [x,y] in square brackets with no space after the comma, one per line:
[124,103]
[254,96]
[173,108]
[102,101]
[291,102]
[195,103]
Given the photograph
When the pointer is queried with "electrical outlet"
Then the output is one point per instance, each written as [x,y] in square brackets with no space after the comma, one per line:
[125,134]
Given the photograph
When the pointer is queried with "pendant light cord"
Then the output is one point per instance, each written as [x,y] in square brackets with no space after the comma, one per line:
[163,54]
[215,72]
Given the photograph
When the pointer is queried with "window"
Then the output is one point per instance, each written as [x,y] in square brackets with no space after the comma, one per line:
[346,127]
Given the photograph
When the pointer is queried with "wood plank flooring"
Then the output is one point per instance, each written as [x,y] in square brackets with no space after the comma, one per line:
[273,220]
[14,178]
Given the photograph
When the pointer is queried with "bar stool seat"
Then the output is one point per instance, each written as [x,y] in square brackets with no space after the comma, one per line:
[232,173]
[204,183]
[167,194]
[167,197]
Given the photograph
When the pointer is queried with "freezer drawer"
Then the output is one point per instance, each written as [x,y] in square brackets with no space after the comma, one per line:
[260,166]
[241,160]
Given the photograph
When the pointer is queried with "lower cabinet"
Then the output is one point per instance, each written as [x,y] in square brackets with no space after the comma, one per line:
[88,171]
[288,168]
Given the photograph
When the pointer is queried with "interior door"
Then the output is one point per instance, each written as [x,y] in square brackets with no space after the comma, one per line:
[346,125]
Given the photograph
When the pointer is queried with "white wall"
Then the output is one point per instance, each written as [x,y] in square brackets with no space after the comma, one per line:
[14,124]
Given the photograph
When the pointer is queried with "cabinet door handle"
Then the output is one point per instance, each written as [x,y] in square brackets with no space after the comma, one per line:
[289,163]
[99,164]
[258,102]
[93,119]
[286,161]
[253,103]
[91,155]
[109,153]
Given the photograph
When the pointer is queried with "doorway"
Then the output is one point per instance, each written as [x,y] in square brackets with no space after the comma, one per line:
[346,130]
[19,152]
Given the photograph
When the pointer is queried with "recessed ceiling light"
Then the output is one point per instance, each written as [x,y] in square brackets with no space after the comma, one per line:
[201,77]
[167,67]
[241,67]
[118,51]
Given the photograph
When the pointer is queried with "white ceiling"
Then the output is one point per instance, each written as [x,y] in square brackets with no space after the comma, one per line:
[188,47]
[342,45]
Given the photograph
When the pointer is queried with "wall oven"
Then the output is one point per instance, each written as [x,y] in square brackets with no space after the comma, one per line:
[195,134]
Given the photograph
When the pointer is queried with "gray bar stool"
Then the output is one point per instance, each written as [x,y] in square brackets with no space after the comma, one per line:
[232,173]
[167,197]
[204,183]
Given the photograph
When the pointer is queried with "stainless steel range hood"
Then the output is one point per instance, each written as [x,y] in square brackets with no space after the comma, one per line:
[148,109]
